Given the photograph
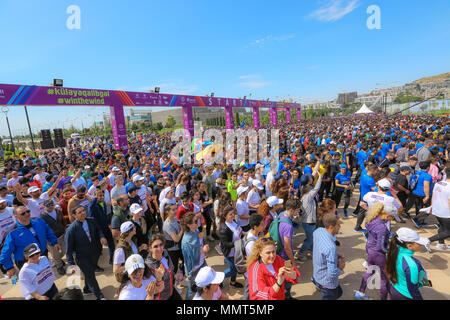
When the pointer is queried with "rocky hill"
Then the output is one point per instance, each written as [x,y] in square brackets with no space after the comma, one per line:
[436,79]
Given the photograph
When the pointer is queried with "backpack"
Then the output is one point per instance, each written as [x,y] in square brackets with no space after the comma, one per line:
[275,234]
[413,181]
[240,258]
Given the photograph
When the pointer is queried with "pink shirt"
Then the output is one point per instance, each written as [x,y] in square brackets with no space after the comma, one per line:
[434,172]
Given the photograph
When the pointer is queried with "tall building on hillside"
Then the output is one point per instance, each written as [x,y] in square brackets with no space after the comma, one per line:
[347,97]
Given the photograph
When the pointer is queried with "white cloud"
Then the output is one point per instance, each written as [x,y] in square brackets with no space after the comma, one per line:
[252,81]
[334,10]
[271,38]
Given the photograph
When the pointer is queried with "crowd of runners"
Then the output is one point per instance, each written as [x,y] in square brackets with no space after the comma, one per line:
[159,219]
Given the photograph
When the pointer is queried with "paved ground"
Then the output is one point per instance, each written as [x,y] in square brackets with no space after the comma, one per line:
[352,246]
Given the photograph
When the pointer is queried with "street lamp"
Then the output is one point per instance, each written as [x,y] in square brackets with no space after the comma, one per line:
[5,111]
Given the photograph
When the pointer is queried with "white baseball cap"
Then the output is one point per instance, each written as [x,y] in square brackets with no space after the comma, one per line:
[87,167]
[2,200]
[115,169]
[207,276]
[384,184]
[33,189]
[126,226]
[257,183]
[409,235]
[133,263]
[240,190]
[272,201]
[135,208]
[138,178]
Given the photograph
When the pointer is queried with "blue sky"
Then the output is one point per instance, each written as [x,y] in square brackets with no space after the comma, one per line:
[306,49]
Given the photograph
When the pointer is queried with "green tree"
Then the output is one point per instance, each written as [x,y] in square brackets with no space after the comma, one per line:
[170,122]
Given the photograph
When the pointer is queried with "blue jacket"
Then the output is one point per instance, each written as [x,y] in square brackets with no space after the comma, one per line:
[21,236]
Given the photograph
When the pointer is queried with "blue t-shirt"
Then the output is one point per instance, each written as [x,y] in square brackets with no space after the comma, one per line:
[307,169]
[361,156]
[423,176]
[343,179]
[367,183]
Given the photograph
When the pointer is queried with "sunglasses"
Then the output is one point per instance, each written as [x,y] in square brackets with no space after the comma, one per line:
[25,212]
[266,239]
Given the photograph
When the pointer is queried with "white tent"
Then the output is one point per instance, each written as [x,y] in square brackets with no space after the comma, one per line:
[364,110]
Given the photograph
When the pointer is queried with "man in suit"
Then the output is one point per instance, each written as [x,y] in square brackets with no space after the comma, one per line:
[97,210]
[85,238]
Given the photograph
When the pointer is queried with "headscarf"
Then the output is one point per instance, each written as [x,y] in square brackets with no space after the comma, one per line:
[164,193]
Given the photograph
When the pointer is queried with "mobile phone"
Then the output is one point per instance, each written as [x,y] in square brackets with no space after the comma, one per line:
[288,264]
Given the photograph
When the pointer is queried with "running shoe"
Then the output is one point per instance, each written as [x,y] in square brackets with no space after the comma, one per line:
[210,238]
[416,224]
[365,264]
[441,246]
[336,213]
[236,285]
[354,214]
[424,224]
[361,296]
[360,230]
[428,247]
[87,292]
[345,213]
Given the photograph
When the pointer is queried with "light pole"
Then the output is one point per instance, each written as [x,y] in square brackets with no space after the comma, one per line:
[5,111]
[31,133]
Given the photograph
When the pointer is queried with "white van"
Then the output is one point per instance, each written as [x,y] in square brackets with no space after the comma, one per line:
[75,136]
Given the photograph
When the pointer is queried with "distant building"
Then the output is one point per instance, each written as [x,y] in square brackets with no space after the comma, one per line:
[346,98]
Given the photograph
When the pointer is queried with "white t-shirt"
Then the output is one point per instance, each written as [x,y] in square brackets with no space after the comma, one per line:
[130,292]
[41,177]
[249,246]
[242,209]
[253,198]
[119,254]
[112,178]
[9,199]
[237,231]
[36,206]
[79,182]
[142,193]
[216,295]
[269,180]
[7,222]
[179,190]
[391,205]
[91,191]
[439,201]
[12,182]
[164,202]
[36,278]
